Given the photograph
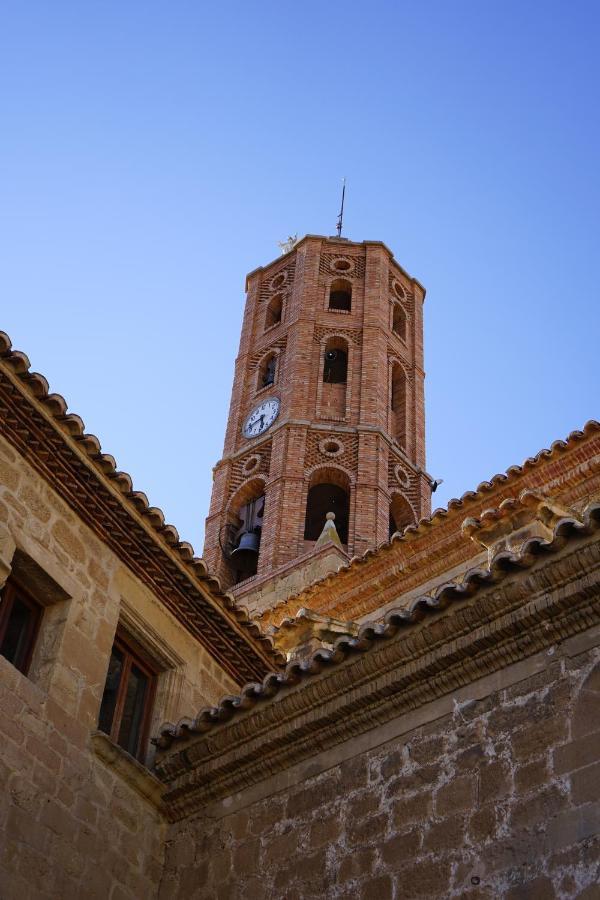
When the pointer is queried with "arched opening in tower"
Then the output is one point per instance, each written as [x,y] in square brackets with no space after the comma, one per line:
[274,310]
[398,404]
[340,295]
[242,534]
[401,514]
[329,491]
[335,377]
[267,371]
[399,321]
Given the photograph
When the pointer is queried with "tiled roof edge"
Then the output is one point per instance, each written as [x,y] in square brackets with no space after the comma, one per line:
[442,513]
[502,564]
[165,534]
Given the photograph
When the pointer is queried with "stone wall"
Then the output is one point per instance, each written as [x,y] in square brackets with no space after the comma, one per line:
[73,821]
[70,827]
[494,795]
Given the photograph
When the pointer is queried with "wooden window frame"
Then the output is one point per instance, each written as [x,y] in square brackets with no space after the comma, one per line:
[12,590]
[133,654]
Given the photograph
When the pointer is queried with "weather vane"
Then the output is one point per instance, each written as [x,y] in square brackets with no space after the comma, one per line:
[340,218]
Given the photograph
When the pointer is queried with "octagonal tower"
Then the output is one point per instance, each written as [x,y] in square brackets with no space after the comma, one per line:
[327,409]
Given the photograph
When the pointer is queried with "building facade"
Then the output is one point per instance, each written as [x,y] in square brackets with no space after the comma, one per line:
[395,709]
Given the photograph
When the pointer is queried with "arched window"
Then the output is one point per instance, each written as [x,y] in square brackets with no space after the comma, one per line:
[340,295]
[274,309]
[401,514]
[329,491]
[335,376]
[335,364]
[241,538]
[399,321]
[267,371]
[398,404]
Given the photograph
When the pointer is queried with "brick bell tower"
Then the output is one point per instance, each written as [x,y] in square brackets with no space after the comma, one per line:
[327,409]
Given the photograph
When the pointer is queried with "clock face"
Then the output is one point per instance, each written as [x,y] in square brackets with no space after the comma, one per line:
[261,418]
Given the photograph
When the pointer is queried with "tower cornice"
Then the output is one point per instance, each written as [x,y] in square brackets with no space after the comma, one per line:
[341,242]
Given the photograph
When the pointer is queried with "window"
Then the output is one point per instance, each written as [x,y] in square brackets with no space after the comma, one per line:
[274,310]
[398,404]
[329,491]
[246,539]
[127,699]
[401,514]
[340,295]
[335,369]
[267,371]
[399,321]
[20,617]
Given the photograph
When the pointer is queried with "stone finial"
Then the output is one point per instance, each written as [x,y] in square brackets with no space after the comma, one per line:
[329,532]
[289,244]
[307,631]
[515,521]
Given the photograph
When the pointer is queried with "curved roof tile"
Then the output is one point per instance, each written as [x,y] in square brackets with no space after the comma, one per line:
[455,506]
[72,424]
[501,566]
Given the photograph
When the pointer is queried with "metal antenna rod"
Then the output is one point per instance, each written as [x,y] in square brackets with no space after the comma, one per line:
[341,213]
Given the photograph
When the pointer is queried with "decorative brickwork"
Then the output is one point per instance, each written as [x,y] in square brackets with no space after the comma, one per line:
[352,403]
[250,464]
[280,278]
[329,264]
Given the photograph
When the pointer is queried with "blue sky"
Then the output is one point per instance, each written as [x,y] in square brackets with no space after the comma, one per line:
[151,154]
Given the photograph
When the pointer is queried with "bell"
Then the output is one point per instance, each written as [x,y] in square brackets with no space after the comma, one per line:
[247,550]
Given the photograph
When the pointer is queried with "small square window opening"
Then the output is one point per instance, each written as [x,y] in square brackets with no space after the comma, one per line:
[20,617]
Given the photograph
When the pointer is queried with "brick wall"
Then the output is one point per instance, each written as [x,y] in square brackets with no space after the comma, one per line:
[497,799]
[312,410]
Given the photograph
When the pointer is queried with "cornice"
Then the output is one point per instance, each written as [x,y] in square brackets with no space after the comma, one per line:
[522,603]
[340,242]
[582,446]
[36,423]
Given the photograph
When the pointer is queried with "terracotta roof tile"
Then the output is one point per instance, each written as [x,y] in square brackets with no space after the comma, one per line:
[455,506]
[503,564]
[55,406]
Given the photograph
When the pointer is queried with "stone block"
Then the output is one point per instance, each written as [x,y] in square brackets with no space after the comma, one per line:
[424,751]
[280,848]
[482,824]
[540,888]
[425,777]
[364,804]
[458,794]
[577,753]
[537,809]
[312,796]
[381,888]
[325,831]
[366,831]
[358,864]
[246,857]
[585,784]
[427,878]
[494,782]
[528,743]
[445,836]
[416,808]
[400,848]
